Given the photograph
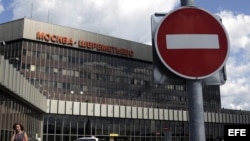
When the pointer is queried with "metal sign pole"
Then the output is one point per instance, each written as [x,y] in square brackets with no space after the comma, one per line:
[196,111]
[195,102]
[187,2]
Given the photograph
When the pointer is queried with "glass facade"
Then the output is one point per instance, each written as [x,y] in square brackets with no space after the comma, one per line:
[65,128]
[69,128]
[13,110]
[73,74]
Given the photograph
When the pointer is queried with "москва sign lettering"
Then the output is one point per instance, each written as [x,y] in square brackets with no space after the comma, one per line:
[62,40]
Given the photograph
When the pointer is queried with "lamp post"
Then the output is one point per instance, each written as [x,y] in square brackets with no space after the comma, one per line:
[71,92]
[14,61]
[14,58]
[81,93]
[2,43]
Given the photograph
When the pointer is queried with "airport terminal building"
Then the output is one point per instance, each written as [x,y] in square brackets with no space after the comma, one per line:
[97,85]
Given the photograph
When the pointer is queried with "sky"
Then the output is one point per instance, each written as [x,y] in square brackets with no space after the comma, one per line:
[130,20]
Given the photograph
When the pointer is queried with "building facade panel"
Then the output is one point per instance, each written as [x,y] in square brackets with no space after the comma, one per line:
[110,110]
[185,116]
[247,120]
[139,113]
[2,69]
[117,111]
[156,113]
[61,107]
[10,79]
[134,112]
[76,108]
[14,107]
[205,116]
[145,113]
[151,113]
[104,110]
[53,106]
[79,35]
[12,31]
[161,114]
[228,118]
[83,109]
[166,117]
[90,109]
[171,114]
[217,117]
[128,112]
[122,111]
[18,83]
[6,75]
[180,115]
[69,108]
[175,115]
[15,81]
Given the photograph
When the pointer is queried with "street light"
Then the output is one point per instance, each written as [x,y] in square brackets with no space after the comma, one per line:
[14,58]
[71,92]
[2,43]
[14,61]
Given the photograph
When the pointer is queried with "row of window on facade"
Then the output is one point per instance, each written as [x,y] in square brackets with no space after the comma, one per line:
[45,55]
[92,76]
[98,89]
[84,60]
[67,88]
[65,125]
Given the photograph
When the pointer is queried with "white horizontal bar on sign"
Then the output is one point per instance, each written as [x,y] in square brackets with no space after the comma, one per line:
[192,41]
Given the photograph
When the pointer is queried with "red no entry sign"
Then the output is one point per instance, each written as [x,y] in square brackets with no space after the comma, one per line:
[192,43]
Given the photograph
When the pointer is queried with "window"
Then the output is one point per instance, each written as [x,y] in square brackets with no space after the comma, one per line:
[72,73]
[68,72]
[60,71]
[81,74]
[28,66]
[55,70]
[24,52]
[34,54]
[59,85]
[23,66]
[42,69]
[76,73]
[29,53]
[65,59]
[64,72]
[51,84]
[42,55]
[47,69]
[32,68]
[55,57]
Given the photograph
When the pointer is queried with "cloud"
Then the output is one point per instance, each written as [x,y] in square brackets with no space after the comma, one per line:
[127,19]
[1,7]
[235,93]
[237,27]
